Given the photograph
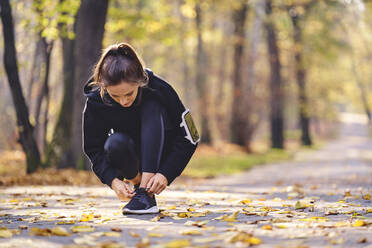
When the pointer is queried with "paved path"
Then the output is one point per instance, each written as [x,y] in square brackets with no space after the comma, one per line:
[321,199]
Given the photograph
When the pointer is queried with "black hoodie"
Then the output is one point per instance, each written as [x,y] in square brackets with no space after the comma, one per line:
[99,117]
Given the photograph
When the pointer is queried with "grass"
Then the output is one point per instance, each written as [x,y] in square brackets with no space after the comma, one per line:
[208,162]
[213,165]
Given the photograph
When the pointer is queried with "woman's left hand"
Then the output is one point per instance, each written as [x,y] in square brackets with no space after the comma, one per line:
[157,184]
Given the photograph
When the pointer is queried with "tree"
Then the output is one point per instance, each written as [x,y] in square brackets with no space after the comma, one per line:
[24,127]
[303,103]
[90,25]
[200,80]
[276,91]
[239,120]
[58,150]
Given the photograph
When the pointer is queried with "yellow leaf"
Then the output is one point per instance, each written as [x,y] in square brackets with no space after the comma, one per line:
[5,234]
[66,222]
[155,235]
[300,205]
[245,201]
[109,244]
[156,218]
[178,243]
[267,227]
[347,194]
[191,209]
[358,223]
[245,238]
[231,217]
[183,215]
[79,229]
[111,234]
[172,207]
[254,241]
[133,234]
[60,231]
[366,197]
[191,232]
[196,223]
[87,217]
[40,231]
[281,226]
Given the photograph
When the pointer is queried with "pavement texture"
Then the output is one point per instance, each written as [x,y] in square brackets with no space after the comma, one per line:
[320,199]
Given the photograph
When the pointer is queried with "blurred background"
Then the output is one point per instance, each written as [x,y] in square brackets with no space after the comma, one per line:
[262,78]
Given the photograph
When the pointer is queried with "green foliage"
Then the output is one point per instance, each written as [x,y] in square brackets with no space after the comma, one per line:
[53,18]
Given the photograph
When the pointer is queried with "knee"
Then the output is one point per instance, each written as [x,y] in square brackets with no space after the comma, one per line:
[118,143]
[152,110]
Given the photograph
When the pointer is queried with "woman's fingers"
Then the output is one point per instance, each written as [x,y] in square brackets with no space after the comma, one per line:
[150,183]
[160,189]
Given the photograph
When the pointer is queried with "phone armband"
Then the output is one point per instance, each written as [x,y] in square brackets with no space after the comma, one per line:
[188,124]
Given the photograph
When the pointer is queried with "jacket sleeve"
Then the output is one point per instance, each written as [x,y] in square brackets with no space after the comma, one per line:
[95,134]
[182,147]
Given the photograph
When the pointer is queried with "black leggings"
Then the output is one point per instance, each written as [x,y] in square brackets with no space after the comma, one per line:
[120,148]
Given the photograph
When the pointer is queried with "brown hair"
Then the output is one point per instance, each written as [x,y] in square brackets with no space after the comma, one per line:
[119,63]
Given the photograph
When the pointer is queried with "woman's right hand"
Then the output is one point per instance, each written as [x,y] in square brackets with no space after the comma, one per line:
[122,189]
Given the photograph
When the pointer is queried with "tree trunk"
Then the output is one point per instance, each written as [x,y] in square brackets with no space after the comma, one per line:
[253,114]
[276,92]
[35,71]
[91,20]
[301,82]
[39,131]
[200,80]
[58,151]
[239,120]
[185,67]
[24,127]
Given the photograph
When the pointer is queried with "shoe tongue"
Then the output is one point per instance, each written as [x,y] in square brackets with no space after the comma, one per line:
[141,189]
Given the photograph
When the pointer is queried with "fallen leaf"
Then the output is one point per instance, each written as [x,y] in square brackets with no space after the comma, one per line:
[358,223]
[78,229]
[110,244]
[246,201]
[245,238]
[67,222]
[85,240]
[87,217]
[191,232]
[178,243]
[366,197]
[111,234]
[5,234]
[267,227]
[144,243]
[116,229]
[155,235]
[60,231]
[40,231]
[133,234]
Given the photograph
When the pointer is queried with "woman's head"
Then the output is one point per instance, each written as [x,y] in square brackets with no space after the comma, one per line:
[120,73]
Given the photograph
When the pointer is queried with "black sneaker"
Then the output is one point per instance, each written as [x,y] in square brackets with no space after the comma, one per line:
[141,203]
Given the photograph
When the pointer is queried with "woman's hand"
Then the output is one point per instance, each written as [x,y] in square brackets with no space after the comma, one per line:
[157,184]
[122,189]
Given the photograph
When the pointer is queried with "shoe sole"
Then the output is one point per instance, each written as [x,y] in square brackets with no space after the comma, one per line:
[152,210]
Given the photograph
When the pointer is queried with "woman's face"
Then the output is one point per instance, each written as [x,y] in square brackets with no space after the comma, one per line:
[124,93]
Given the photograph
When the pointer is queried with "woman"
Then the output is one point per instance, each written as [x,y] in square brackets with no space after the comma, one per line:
[135,128]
